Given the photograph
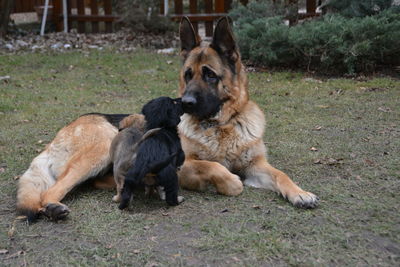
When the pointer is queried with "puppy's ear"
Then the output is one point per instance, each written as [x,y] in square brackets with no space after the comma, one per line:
[223,41]
[189,39]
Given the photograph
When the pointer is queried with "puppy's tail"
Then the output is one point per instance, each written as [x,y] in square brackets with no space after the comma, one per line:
[134,178]
[156,167]
[32,183]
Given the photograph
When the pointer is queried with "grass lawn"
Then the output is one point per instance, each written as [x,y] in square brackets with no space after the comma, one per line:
[352,126]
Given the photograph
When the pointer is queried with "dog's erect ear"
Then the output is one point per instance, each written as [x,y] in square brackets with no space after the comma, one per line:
[223,41]
[189,38]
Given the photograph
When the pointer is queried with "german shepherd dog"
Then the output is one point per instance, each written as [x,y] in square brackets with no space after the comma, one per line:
[158,153]
[221,134]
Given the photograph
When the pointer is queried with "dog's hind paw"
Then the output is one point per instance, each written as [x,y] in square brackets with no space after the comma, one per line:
[305,200]
[180,199]
[55,211]
[123,204]
[117,198]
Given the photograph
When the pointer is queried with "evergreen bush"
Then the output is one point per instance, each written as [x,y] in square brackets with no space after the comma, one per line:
[331,44]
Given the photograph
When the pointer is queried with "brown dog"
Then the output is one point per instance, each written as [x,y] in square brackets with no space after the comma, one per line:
[221,135]
[222,129]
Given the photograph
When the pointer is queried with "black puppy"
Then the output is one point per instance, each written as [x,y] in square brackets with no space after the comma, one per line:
[160,153]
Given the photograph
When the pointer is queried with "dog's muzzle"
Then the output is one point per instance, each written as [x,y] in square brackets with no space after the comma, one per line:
[188,102]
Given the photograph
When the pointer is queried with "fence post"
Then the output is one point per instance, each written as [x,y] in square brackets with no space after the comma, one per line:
[178,7]
[108,11]
[219,6]
[81,11]
[57,11]
[209,24]
[311,7]
[193,10]
[94,11]
[5,9]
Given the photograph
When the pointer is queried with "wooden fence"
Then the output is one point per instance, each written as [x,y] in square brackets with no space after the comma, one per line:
[91,12]
[82,13]
[212,11]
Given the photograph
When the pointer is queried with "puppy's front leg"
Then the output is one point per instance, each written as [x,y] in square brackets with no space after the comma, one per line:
[197,174]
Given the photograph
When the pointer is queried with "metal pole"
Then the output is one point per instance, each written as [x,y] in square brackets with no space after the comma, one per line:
[44,18]
[65,15]
[165,7]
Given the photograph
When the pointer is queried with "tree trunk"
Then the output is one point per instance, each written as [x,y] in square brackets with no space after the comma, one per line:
[5,11]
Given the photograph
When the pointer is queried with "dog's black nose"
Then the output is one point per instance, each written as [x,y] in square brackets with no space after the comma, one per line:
[188,101]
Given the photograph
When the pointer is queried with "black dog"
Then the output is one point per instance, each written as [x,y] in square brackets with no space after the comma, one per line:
[160,153]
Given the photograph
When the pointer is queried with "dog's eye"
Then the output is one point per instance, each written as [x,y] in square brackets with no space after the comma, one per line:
[209,76]
[188,75]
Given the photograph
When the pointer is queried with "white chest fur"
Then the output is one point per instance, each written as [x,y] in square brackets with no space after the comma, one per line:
[227,143]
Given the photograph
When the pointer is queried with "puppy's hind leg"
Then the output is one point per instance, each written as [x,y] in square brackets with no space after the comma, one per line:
[119,180]
[161,194]
[169,180]
[126,196]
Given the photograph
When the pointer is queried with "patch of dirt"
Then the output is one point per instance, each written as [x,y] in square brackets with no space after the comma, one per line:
[123,41]
[383,244]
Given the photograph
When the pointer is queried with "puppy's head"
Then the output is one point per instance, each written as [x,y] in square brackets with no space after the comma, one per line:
[163,112]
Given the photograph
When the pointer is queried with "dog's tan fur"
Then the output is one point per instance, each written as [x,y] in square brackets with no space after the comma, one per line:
[232,141]
[218,150]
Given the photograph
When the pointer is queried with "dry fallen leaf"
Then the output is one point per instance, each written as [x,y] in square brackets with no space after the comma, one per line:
[329,161]
[151,264]
[235,259]
[369,162]
[317,128]
[322,106]
[384,109]
[11,231]
[16,254]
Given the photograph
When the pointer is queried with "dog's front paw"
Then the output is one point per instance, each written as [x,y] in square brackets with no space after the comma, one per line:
[305,200]
[55,211]
[231,186]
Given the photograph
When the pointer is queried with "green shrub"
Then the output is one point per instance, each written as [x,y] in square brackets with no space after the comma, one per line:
[358,8]
[330,44]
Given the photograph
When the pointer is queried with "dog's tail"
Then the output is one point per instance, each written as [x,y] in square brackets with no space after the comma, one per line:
[32,183]
[156,167]
[136,176]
